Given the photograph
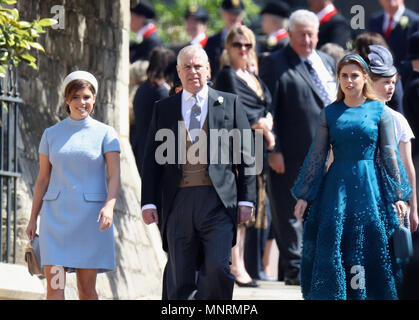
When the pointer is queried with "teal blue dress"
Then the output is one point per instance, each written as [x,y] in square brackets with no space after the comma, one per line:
[347,248]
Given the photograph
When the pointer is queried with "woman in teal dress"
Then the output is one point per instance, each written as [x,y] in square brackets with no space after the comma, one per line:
[348,208]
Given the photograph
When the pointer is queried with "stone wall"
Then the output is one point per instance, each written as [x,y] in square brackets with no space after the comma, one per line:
[95,37]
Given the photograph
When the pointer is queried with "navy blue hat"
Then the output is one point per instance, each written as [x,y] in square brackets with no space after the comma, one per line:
[381,61]
[278,8]
[413,46]
[233,6]
[197,13]
[145,9]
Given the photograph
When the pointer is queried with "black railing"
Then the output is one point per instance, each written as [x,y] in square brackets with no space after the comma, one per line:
[9,104]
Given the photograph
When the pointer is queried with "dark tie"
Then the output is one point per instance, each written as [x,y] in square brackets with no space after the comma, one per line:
[389,28]
[317,82]
[194,122]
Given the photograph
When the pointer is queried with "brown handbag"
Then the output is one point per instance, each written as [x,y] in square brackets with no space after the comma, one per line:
[33,258]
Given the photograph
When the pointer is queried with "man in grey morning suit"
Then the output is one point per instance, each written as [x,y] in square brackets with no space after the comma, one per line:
[201,203]
[303,82]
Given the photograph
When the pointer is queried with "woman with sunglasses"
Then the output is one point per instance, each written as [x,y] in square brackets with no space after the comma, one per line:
[235,77]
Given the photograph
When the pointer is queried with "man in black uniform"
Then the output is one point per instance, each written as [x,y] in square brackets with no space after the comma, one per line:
[142,24]
[396,23]
[333,26]
[274,25]
[232,13]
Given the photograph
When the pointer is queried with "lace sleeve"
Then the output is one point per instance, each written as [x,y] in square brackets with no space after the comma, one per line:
[392,172]
[314,166]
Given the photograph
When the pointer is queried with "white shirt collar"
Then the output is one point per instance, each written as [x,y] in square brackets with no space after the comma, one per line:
[311,57]
[275,33]
[396,17]
[198,38]
[141,32]
[201,95]
[329,8]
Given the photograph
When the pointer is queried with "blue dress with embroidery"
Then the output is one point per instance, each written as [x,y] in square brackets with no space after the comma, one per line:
[347,247]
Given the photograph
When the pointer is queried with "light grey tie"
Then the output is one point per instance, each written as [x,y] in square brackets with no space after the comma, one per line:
[194,122]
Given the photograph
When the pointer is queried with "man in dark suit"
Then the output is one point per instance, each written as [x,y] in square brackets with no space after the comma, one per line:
[196,23]
[202,199]
[333,26]
[410,100]
[302,82]
[396,23]
[196,20]
[274,25]
[146,38]
[232,13]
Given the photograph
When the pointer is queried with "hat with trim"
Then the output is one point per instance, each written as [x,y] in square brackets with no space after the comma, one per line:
[197,13]
[278,8]
[381,61]
[145,9]
[81,75]
[232,6]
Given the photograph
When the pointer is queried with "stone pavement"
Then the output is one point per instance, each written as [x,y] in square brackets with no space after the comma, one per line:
[268,290]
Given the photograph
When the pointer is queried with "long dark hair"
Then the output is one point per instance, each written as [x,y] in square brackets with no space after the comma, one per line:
[160,58]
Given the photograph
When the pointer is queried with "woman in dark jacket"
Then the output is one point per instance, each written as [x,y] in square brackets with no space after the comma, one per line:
[235,77]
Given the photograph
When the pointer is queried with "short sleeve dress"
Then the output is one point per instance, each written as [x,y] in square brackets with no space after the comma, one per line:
[69,232]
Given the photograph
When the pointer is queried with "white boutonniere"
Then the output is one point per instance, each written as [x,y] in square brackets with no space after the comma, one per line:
[220,100]
[404,22]
[271,41]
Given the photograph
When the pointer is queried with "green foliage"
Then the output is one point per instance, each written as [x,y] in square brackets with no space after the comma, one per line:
[170,18]
[18,37]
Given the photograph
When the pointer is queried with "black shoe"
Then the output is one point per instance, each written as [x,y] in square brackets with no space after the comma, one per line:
[292,281]
[251,284]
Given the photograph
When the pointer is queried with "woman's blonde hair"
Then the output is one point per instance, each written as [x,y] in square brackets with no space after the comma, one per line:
[236,30]
[367,90]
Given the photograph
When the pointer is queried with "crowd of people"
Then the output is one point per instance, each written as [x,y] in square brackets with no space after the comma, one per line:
[337,116]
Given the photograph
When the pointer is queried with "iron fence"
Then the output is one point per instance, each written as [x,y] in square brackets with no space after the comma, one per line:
[9,104]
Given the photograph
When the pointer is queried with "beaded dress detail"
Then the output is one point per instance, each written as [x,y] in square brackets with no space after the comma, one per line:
[347,246]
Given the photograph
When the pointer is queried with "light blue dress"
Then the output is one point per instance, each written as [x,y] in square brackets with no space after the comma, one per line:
[69,232]
[347,239]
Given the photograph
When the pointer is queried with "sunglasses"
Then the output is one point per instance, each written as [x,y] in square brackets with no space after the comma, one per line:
[239,45]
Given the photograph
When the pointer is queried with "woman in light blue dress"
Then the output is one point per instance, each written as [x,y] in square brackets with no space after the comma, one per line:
[75,192]
[347,238]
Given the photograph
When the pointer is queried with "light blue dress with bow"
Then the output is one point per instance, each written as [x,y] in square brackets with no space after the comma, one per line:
[69,232]
[347,239]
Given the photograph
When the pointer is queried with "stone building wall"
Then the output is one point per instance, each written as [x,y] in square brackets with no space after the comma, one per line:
[94,37]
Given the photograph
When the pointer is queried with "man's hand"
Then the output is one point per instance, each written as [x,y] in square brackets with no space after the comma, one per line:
[150,216]
[276,162]
[244,213]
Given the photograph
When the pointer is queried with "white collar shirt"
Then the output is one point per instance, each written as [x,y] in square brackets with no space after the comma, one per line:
[140,33]
[197,40]
[329,8]
[326,77]
[188,102]
[396,18]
